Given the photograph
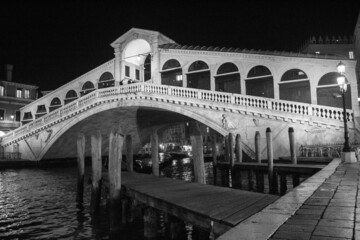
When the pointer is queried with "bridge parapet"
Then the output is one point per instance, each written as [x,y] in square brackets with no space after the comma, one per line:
[257,106]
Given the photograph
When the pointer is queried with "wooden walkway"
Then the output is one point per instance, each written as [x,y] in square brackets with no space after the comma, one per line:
[213,208]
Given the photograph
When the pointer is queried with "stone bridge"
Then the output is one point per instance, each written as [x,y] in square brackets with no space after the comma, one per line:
[141,108]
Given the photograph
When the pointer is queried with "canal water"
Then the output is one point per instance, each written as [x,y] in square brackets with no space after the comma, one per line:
[40,204]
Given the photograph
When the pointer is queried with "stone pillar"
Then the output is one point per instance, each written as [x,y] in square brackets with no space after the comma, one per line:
[129,154]
[150,223]
[81,166]
[197,152]
[96,167]
[155,153]
[115,158]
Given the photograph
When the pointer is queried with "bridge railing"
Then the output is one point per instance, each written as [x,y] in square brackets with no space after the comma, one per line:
[303,109]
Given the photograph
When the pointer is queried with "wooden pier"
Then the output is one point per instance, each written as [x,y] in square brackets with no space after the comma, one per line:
[214,209]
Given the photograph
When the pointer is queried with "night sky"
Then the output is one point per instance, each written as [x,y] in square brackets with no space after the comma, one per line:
[52,42]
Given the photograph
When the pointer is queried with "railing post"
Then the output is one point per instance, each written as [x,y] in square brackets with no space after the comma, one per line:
[269,105]
[169,91]
[199,94]
[310,111]
[232,99]
[142,87]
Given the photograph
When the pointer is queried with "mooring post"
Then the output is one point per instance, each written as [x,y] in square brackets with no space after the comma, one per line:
[129,154]
[96,167]
[236,176]
[115,158]
[197,152]
[231,159]
[295,176]
[238,149]
[226,152]
[259,173]
[150,223]
[270,157]
[176,229]
[81,166]
[283,184]
[214,156]
[292,146]
[155,153]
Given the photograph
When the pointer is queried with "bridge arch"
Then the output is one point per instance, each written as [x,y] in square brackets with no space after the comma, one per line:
[172,73]
[54,104]
[198,75]
[260,82]
[227,78]
[87,88]
[106,79]
[70,96]
[294,85]
[327,91]
[193,114]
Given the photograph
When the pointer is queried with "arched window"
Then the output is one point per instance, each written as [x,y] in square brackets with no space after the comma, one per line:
[147,68]
[70,96]
[171,73]
[260,82]
[328,92]
[295,86]
[40,111]
[227,79]
[87,88]
[54,104]
[106,80]
[198,75]
[27,117]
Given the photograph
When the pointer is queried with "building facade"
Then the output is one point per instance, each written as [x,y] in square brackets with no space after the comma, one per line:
[13,96]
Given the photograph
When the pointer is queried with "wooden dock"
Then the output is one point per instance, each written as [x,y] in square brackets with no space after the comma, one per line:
[212,208]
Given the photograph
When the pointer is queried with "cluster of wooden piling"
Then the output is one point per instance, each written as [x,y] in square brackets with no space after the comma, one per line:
[234,165]
[120,206]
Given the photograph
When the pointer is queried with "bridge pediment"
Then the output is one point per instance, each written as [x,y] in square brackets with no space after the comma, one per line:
[136,33]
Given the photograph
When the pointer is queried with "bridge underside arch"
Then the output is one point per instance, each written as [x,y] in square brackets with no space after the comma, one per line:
[138,120]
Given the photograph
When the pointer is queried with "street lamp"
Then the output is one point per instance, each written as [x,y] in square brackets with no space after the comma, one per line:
[342,81]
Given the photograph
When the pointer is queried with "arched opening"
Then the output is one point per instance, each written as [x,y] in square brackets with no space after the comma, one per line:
[70,96]
[227,78]
[198,76]
[328,91]
[28,117]
[106,80]
[87,88]
[136,62]
[295,86]
[54,104]
[40,111]
[171,73]
[260,82]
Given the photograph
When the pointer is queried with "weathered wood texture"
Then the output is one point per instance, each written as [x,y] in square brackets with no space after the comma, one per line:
[198,204]
[81,166]
[155,153]
[197,145]
[96,169]
[129,154]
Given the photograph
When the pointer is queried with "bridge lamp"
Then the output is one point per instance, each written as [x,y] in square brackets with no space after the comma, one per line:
[342,82]
[12,117]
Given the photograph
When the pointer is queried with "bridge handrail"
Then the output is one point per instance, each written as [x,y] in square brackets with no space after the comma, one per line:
[205,95]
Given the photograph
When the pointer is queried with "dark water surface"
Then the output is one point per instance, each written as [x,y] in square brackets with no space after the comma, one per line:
[40,204]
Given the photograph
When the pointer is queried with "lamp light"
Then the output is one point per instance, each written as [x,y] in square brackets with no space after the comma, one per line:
[341,68]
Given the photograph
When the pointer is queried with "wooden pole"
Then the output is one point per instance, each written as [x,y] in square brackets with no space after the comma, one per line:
[226,153]
[238,149]
[150,223]
[129,154]
[292,146]
[214,156]
[81,166]
[115,159]
[257,147]
[155,153]
[231,150]
[283,185]
[270,157]
[96,167]
[197,152]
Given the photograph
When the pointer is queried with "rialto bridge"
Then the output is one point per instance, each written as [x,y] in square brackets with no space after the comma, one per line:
[154,82]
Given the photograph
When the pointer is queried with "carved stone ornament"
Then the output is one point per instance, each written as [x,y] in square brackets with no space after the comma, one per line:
[227,123]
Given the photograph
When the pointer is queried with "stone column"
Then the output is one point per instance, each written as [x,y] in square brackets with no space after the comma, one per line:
[81,166]
[96,167]
[197,152]
[155,153]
